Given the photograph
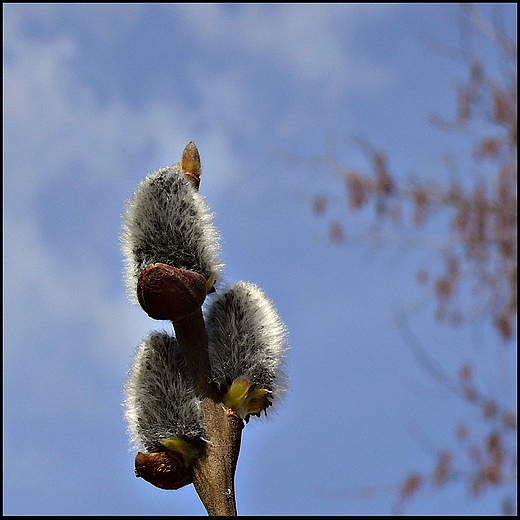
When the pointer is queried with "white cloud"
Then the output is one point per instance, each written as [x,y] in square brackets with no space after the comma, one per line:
[312,42]
[51,118]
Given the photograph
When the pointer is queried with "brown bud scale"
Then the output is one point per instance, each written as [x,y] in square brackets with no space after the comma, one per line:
[164,469]
[168,293]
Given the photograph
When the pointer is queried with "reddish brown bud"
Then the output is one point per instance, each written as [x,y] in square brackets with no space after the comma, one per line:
[164,469]
[319,205]
[411,485]
[336,233]
[168,293]
[465,372]
[442,469]
[462,432]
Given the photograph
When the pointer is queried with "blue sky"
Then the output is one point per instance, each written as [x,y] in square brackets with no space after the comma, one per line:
[95,97]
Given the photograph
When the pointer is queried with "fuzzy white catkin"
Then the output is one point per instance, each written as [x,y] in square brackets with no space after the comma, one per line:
[247,339]
[160,399]
[168,221]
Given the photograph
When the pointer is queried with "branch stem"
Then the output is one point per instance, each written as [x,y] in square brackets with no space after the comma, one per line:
[193,341]
[214,472]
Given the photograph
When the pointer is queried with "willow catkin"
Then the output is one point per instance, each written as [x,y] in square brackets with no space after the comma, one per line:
[247,339]
[168,221]
[160,401]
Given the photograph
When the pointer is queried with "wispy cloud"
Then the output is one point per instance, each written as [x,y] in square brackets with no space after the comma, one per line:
[306,41]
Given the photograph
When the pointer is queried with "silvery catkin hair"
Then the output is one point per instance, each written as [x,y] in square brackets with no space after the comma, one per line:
[246,339]
[160,401]
[168,221]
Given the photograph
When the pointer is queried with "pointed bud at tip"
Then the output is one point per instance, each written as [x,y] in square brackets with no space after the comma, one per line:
[190,164]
